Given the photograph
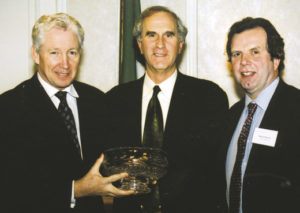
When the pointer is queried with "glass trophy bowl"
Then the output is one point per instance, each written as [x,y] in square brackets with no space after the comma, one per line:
[143,165]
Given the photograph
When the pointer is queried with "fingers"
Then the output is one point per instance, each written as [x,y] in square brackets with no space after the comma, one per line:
[115,192]
[116,177]
[95,168]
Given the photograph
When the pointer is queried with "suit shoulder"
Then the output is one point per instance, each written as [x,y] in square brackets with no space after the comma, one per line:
[86,89]
[125,88]
[237,106]
[203,86]
[291,97]
[201,82]
[15,92]
[293,91]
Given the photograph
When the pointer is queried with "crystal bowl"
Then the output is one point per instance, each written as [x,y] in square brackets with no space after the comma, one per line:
[144,165]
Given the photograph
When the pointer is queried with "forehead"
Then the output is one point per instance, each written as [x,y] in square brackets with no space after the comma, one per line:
[250,38]
[61,37]
[159,21]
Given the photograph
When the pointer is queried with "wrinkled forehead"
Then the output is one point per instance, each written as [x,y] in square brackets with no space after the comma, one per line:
[159,21]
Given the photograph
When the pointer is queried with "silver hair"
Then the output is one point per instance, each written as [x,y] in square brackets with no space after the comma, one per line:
[57,20]
[138,27]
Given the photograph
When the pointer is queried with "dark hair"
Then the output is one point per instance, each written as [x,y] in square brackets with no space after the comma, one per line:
[138,27]
[274,40]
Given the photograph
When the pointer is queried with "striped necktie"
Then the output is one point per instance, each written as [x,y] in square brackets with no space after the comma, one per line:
[236,176]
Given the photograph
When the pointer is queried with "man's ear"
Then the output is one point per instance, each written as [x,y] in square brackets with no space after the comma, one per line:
[181,43]
[35,55]
[276,62]
[140,46]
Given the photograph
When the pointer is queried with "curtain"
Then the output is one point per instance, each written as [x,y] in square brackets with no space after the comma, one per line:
[130,11]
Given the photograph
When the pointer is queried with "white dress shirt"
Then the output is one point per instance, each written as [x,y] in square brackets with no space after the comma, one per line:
[164,96]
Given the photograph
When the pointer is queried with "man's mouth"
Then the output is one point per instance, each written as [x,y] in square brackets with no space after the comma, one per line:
[63,74]
[159,54]
[247,73]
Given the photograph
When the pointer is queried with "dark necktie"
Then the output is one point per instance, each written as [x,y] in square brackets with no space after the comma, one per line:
[153,130]
[153,137]
[68,118]
[236,182]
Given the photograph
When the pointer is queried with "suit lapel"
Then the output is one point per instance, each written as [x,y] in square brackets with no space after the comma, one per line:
[234,117]
[83,125]
[176,108]
[87,127]
[40,105]
[136,107]
[272,120]
[273,114]
[41,108]
[230,125]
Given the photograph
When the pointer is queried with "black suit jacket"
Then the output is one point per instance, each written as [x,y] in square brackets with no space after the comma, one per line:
[192,122]
[272,177]
[40,160]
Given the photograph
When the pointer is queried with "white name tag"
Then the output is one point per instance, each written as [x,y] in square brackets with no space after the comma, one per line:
[264,137]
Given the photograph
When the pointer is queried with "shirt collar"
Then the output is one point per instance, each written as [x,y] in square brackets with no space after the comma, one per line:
[166,86]
[51,90]
[263,99]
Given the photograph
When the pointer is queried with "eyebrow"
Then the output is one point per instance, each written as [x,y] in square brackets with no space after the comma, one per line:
[253,48]
[150,32]
[170,32]
[153,32]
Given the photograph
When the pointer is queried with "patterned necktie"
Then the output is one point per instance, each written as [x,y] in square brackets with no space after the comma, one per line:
[68,118]
[153,130]
[153,137]
[236,182]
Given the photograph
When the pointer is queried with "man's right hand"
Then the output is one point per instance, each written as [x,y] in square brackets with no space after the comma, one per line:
[93,183]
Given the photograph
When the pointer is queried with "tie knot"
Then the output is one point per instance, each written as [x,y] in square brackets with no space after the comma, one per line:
[61,95]
[156,90]
[251,108]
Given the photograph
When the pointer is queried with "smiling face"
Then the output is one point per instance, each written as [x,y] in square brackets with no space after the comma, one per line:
[251,62]
[58,58]
[159,43]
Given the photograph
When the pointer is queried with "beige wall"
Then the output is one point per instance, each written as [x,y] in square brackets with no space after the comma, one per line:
[14,43]
[216,17]
[208,22]
[100,19]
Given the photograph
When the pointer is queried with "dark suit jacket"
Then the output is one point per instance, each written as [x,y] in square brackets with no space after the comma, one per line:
[192,122]
[40,160]
[272,177]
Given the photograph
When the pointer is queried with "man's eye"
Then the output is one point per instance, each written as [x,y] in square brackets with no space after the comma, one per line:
[170,34]
[150,34]
[255,52]
[236,54]
[73,52]
[53,52]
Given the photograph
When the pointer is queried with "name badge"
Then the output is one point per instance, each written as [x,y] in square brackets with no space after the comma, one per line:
[264,137]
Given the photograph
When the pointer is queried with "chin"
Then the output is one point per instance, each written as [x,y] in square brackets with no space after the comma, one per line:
[63,85]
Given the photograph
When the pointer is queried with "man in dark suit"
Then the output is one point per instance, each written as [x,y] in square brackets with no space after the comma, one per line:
[260,162]
[50,157]
[191,110]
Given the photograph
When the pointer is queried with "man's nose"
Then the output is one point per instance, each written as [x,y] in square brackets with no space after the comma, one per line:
[160,43]
[245,59]
[65,61]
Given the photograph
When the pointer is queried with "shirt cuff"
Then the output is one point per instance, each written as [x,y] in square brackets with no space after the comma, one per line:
[73,200]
